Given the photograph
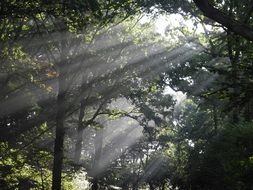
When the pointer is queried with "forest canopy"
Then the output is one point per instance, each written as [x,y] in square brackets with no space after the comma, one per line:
[126,94]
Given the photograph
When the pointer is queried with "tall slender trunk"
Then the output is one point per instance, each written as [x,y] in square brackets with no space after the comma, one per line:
[60,117]
[80,129]
[248,111]
[234,58]
[59,139]
[215,118]
[97,169]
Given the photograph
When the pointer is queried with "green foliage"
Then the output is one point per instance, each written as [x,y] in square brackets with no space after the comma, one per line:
[204,143]
[16,171]
[225,161]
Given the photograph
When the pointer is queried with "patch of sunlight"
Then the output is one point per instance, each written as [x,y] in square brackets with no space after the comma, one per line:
[177,95]
[80,181]
[164,22]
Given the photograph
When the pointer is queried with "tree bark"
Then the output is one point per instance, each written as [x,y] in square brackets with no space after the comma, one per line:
[58,146]
[237,27]
[233,53]
[80,129]
[248,111]
[97,168]
[215,118]
[60,117]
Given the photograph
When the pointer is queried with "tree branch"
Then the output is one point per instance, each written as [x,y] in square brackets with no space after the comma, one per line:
[237,27]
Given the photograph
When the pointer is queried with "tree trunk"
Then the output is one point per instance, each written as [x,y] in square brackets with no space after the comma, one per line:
[60,130]
[58,146]
[248,112]
[234,58]
[215,118]
[97,168]
[80,129]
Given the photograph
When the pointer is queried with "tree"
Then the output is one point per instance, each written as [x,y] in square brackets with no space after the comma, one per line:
[240,27]
[64,65]
[216,10]
[54,20]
